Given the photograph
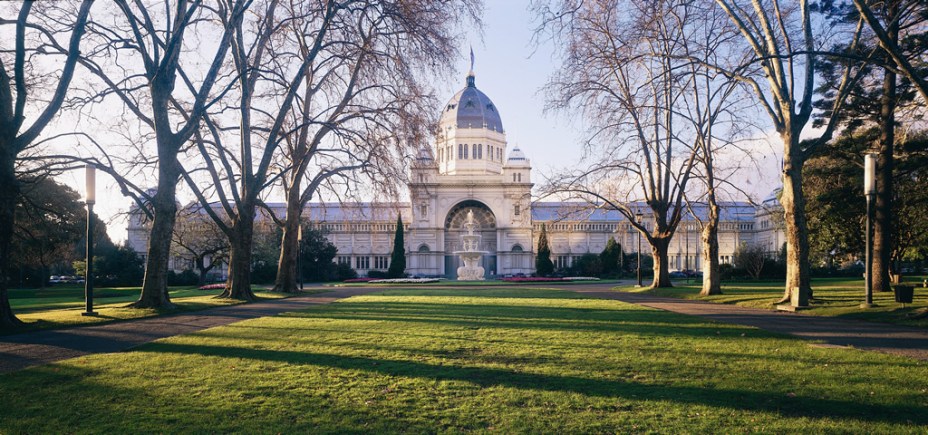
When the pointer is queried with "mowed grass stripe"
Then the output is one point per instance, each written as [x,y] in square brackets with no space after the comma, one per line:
[462,360]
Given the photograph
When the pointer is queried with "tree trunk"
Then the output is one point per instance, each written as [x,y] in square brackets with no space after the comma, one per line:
[797,234]
[287,267]
[883,210]
[164,203]
[9,193]
[203,270]
[659,248]
[239,284]
[711,281]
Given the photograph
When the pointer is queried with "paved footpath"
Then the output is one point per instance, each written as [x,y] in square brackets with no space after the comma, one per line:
[894,339]
[43,347]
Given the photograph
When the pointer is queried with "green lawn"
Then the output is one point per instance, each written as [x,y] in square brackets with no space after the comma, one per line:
[838,297]
[525,360]
[61,306]
[487,283]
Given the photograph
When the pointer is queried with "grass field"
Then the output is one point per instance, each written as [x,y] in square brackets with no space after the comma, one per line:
[838,297]
[61,306]
[526,360]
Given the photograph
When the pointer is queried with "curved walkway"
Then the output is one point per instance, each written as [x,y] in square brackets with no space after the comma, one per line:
[895,339]
[43,347]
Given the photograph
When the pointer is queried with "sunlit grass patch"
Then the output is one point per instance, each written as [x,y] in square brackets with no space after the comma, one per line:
[833,297]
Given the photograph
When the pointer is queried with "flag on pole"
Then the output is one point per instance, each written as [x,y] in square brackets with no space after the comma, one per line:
[471,58]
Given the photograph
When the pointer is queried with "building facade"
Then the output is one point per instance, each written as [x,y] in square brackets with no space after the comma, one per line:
[471,168]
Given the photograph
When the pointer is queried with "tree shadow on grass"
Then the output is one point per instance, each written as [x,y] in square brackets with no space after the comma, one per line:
[744,400]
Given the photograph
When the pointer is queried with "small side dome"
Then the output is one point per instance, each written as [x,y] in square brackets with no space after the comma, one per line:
[425,154]
[517,157]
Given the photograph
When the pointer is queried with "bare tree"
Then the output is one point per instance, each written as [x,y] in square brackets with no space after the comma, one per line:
[364,110]
[197,236]
[30,97]
[751,258]
[781,40]
[716,116]
[139,54]
[623,69]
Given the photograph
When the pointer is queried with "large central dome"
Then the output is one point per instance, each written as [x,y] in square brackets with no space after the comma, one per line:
[470,108]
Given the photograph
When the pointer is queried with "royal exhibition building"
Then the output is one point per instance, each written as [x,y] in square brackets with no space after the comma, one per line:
[471,168]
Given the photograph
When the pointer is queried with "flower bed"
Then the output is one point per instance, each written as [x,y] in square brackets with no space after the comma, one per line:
[546,279]
[406,281]
[217,286]
[359,280]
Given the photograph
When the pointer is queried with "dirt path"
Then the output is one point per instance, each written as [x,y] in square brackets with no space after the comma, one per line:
[43,347]
[894,339]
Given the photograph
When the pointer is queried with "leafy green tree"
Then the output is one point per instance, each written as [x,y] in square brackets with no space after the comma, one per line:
[50,221]
[119,267]
[398,259]
[611,258]
[836,206]
[543,264]
[588,265]
[318,253]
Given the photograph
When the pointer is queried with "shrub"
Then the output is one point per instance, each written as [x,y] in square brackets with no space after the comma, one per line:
[378,274]
[185,278]
[345,272]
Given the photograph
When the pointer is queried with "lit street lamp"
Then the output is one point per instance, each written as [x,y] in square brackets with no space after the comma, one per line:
[638,219]
[89,198]
[299,255]
[870,193]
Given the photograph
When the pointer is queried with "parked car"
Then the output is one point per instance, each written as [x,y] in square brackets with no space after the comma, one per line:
[677,274]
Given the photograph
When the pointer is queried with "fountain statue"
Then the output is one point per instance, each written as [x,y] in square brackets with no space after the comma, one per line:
[470,256]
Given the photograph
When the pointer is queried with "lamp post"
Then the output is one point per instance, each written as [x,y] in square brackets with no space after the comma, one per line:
[299,255]
[89,198]
[638,219]
[870,193]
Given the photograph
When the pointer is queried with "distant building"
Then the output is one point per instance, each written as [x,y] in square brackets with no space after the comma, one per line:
[471,168]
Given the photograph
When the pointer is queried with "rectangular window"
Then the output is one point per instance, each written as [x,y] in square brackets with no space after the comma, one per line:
[344,259]
[517,210]
[362,262]
[499,154]
[381,262]
[480,151]
[465,151]
[474,147]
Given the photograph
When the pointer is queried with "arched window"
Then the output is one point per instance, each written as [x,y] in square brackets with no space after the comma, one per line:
[424,248]
[517,248]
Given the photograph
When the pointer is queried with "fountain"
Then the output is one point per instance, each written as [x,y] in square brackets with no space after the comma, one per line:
[470,256]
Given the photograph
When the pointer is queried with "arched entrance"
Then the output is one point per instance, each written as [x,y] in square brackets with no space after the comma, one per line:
[454,229]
